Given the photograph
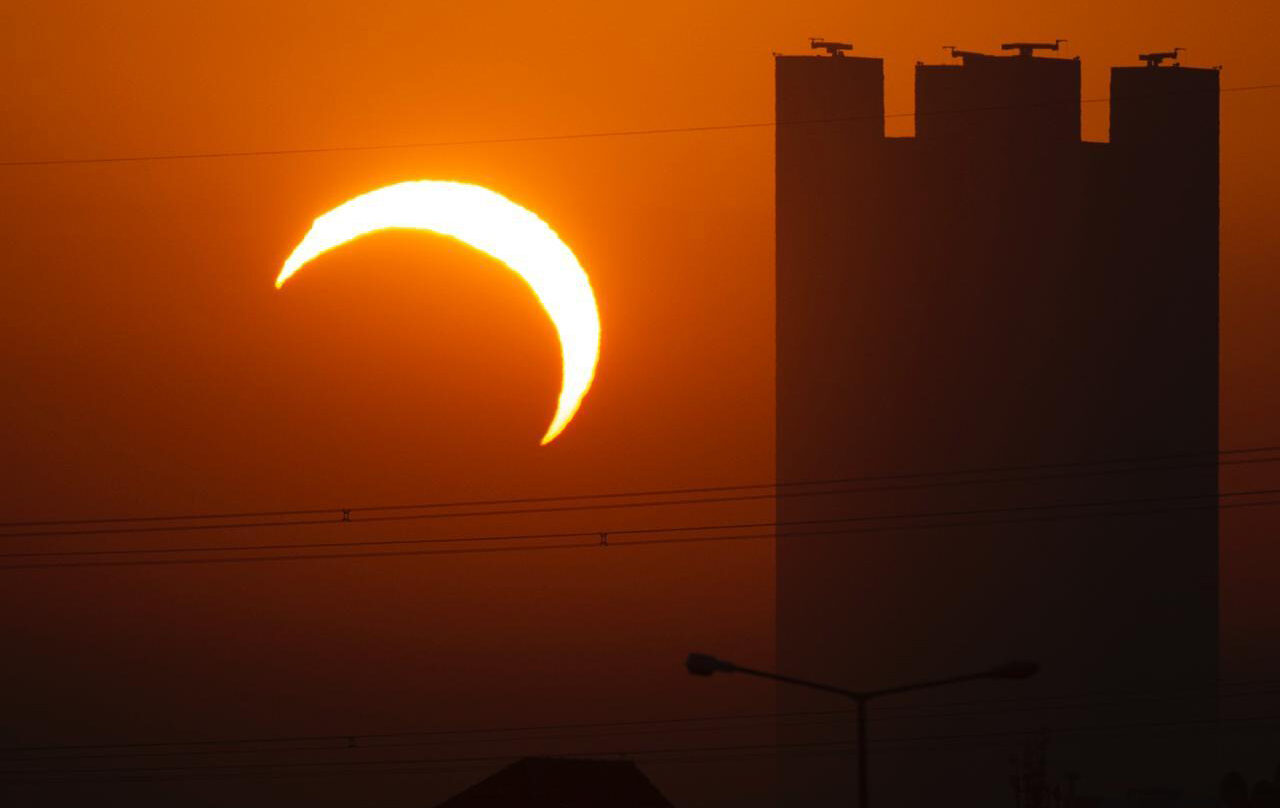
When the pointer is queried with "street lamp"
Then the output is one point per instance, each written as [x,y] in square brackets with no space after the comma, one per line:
[705,665]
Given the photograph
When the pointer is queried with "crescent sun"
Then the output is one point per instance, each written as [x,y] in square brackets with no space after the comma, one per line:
[498,227]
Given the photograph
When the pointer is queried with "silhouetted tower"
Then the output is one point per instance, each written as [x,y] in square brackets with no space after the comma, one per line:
[996,294]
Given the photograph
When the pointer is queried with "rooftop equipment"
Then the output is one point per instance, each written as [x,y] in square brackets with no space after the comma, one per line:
[1028,49]
[832,48]
[1155,59]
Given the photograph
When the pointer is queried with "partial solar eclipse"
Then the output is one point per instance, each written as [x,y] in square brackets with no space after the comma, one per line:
[496,226]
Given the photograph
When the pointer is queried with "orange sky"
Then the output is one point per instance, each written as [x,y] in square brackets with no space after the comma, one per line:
[153,368]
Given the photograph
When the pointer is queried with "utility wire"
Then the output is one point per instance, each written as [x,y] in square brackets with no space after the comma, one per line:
[363,739]
[603,542]
[373,764]
[600,135]
[660,491]
[654,492]
[364,743]
[606,534]
[899,482]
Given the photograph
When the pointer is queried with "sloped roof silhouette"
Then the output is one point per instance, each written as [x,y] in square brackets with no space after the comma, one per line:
[563,783]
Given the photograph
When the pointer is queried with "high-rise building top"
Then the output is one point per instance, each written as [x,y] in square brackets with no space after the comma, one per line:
[995,294]
[1012,98]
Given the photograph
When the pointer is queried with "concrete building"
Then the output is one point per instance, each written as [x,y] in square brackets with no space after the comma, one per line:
[996,297]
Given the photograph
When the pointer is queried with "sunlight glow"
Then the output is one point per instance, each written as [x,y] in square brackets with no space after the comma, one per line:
[496,226]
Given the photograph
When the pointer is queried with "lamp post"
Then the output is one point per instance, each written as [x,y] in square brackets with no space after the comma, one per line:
[705,665]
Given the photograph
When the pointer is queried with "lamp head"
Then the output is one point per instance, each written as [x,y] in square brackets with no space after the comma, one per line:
[1017,669]
[705,665]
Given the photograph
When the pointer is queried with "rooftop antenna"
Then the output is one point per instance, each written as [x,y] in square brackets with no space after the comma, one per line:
[1156,59]
[956,53]
[832,48]
[1028,49]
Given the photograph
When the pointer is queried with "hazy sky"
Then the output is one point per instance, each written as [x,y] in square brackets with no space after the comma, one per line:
[152,367]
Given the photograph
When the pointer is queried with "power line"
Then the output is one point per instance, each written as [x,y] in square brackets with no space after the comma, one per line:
[600,135]
[366,742]
[876,710]
[340,514]
[604,534]
[1243,723]
[239,769]
[658,492]
[602,538]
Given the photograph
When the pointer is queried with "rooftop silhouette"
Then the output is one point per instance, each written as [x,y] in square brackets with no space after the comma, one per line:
[993,292]
[563,783]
